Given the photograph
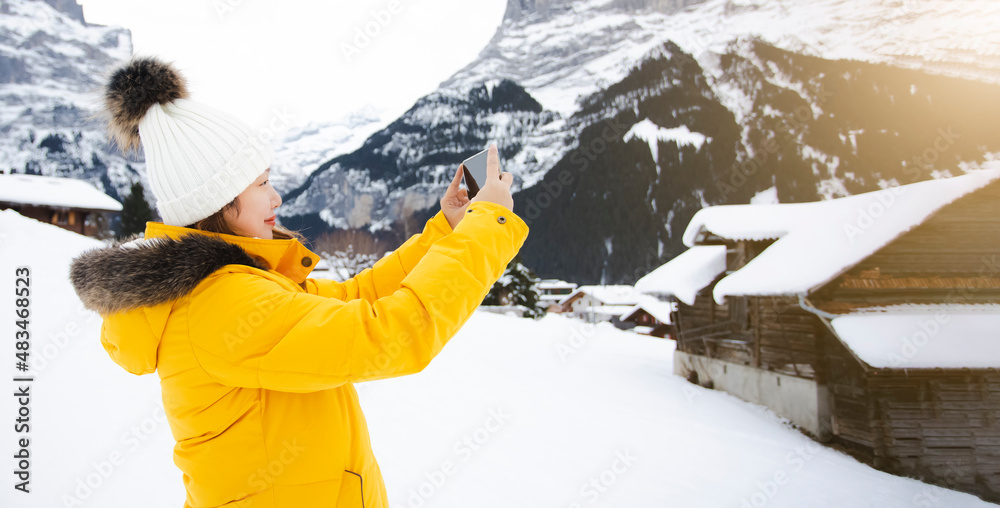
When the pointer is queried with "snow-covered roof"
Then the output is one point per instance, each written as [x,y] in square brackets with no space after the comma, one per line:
[932,339]
[54,191]
[610,295]
[818,241]
[686,274]
[607,310]
[659,310]
[555,284]
[551,298]
[934,308]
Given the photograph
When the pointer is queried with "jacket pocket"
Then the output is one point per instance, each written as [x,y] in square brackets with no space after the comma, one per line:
[352,492]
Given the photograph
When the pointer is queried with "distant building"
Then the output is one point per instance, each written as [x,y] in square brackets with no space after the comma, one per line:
[651,317]
[869,321]
[600,303]
[65,202]
[552,291]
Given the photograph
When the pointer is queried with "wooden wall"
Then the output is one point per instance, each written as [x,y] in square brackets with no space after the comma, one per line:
[772,333]
[940,426]
[70,219]
[706,329]
[850,403]
[788,337]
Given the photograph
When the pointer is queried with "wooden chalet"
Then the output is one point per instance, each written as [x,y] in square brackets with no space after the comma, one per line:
[65,202]
[872,322]
[552,291]
[599,303]
[652,318]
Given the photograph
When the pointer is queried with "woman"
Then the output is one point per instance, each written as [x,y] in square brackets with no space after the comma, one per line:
[256,361]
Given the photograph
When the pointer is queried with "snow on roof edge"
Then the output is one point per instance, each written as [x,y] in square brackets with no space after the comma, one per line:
[686,274]
[653,309]
[55,191]
[814,229]
[922,340]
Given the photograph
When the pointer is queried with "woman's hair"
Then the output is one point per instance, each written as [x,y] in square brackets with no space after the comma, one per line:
[216,223]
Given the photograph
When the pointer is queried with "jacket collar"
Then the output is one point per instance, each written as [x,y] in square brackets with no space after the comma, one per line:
[287,257]
[133,284]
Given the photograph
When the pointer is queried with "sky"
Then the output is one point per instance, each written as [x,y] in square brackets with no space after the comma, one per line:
[309,60]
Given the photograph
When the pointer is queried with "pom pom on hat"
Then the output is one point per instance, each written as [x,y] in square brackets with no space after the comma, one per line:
[198,158]
[130,92]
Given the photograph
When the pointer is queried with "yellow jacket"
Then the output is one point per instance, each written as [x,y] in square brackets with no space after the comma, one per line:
[257,362]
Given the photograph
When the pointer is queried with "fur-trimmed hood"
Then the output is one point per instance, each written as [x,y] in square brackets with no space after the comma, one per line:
[147,272]
[137,280]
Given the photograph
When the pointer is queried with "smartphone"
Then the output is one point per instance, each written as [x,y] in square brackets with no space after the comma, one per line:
[474,172]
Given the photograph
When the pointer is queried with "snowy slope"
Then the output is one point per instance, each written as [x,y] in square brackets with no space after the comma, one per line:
[85,410]
[513,412]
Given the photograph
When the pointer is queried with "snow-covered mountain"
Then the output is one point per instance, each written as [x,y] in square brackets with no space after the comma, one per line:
[305,147]
[841,97]
[399,170]
[562,50]
[52,64]
[654,107]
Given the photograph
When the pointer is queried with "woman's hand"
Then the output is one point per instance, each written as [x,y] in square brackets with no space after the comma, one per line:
[496,189]
[497,186]
[455,200]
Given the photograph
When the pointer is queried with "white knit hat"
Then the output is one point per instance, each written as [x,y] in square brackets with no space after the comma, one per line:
[198,159]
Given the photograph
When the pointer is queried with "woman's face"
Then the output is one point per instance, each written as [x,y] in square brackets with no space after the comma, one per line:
[256,209]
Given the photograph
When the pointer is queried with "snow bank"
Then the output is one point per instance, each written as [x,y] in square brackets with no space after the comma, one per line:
[516,412]
[85,410]
[817,241]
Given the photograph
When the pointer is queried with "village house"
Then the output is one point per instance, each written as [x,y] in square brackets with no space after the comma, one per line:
[65,202]
[552,291]
[600,303]
[871,322]
[651,317]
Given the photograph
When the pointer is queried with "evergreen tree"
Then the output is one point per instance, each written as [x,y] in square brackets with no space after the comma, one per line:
[135,212]
[517,286]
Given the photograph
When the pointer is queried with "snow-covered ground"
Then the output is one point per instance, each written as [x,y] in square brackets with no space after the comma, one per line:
[513,412]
